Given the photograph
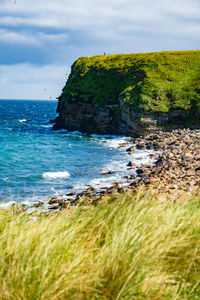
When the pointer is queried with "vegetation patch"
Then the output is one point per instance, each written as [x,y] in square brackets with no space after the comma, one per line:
[159,81]
[128,247]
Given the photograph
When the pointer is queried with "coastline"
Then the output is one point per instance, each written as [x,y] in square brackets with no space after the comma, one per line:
[174,169]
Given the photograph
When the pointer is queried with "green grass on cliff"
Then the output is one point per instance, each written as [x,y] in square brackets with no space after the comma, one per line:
[159,81]
[130,248]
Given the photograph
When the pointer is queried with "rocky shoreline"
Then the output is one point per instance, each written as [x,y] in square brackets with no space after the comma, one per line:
[178,165]
[175,169]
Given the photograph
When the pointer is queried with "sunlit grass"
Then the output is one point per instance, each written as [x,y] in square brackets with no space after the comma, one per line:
[158,81]
[129,247]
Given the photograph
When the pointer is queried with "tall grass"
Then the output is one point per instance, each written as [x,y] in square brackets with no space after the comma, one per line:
[131,247]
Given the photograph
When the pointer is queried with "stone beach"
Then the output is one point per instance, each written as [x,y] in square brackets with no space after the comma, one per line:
[178,162]
[175,169]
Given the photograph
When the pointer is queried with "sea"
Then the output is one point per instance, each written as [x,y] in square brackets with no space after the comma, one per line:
[37,163]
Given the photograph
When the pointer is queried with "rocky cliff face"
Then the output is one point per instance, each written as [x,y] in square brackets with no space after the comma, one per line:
[133,94]
[87,118]
[115,119]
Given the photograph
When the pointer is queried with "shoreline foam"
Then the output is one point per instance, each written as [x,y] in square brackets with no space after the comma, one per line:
[55,175]
[175,153]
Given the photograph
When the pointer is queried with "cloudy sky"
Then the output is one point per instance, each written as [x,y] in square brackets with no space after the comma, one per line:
[40,39]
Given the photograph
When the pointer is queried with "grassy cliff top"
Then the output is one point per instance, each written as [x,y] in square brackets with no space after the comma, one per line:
[158,81]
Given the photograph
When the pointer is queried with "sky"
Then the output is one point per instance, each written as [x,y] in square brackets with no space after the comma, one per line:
[40,39]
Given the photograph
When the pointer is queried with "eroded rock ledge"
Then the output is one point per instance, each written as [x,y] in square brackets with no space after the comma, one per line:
[116,119]
[131,94]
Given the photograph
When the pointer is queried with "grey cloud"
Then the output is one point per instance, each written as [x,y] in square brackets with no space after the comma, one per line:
[105,14]
[68,29]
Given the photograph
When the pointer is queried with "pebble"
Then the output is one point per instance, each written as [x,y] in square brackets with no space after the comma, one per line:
[177,163]
[176,167]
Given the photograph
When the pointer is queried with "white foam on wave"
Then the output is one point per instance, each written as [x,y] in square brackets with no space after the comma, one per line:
[142,157]
[7,205]
[55,175]
[117,142]
[47,126]
[22,121]
[5,179]
[105,181]
[71,133]
[76,133]
[119,167]
[107,136]
[61,131]
[80,187]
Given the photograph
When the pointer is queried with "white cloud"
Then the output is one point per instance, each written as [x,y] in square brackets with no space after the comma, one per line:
[110,15]
[38,39]
[63,30]
[103,19]
[12,37]
[26,81]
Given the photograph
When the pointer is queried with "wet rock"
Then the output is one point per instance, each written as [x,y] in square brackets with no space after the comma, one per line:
[141,146]
[149,146]
[107,173]
[153,156]
[38,204]
[177,165]
[146,166]
[131,164]
[140,171]
[52,121]
[54,207]
[64,204]
[130,149]
[116,185]
[53,200]
[70,194]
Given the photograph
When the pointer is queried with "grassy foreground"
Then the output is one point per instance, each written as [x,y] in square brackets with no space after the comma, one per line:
[131,247]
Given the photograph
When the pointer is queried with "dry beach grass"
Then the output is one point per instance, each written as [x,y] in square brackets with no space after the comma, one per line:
[130,246]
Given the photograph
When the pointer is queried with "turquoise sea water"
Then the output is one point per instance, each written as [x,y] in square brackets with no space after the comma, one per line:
[38,163]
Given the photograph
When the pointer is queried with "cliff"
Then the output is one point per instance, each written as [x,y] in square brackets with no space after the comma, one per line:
[131,94]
